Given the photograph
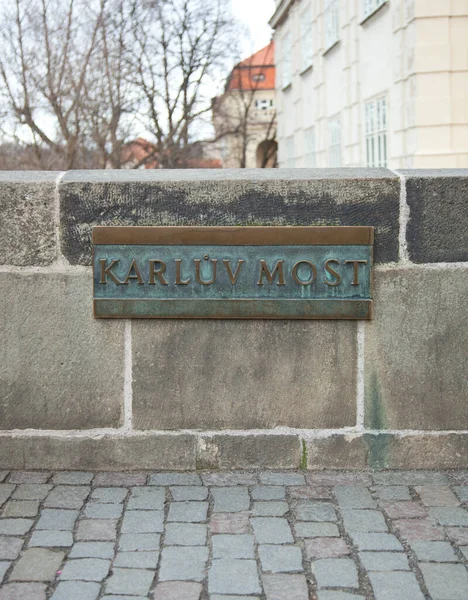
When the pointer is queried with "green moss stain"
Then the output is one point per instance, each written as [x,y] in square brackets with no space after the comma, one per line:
[375,415]
[304,456]
[378,450]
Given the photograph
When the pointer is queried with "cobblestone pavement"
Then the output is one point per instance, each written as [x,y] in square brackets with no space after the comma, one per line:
[234,536]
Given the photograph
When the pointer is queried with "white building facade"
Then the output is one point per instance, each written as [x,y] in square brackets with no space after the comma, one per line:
[381,83]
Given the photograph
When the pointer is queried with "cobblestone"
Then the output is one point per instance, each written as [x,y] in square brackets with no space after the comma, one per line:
[234,536]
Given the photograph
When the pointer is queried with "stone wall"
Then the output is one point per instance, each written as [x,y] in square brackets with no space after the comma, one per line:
[80,393]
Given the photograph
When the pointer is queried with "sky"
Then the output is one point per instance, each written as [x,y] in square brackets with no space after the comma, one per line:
[255,14]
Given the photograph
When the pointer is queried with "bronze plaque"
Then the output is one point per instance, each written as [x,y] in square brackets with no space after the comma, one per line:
[233,272]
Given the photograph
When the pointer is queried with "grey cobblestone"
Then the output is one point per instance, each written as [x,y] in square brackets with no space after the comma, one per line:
[188,512]
[57,519]
[5,492]
[78,590]
[280,559]
[109,495]
[335,572]
[85,569]
[51,539]
[21,508]
[183,563]
[234,535]
[72,478]
[183,493]
[230,499]
[148,521]
[29,477]
[96,510]
[137,560]
[4,566]
[67,496]
[233,546]
[29,491]
[92,550]
[234,576]
[186,534]
[37,564]
[434,551]
[270,509]
[268,492]
[130,582]
[15,526]
[10,547]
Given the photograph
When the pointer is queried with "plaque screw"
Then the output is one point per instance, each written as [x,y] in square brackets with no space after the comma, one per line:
[206,257]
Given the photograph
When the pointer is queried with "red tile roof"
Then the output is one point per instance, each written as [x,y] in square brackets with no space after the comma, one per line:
[257,72]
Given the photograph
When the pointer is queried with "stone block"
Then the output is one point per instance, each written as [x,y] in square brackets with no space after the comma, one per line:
[270,509]
[272,530]
[397,584]
[209,372]
[136,542]
[27,221]
[230,499]
[37,564]
[233,576]
[59,367]
[148,521]
[230,478]
[182,493]
[19,591]
[147,498]
[10,547]
[438,227]
[78,590]
[335,572]
[187,512]
[228,197]
[236,523]
[280,559]
[130,581]
[414,366]
[140,451]
[51,539]
[174,590]
[185,534]
[339,451]
[226,451]
[268,492]
[135,560]
[285,587]
[446,581]
[183,563]
[434,551]
[233,546]
[92,550]
[109,495]
[86,569]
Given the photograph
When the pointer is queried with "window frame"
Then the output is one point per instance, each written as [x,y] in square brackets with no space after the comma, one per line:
[376,131]
[370,7]
[331,23]
[310,152]
[333,145]
[306,29]
[287,62]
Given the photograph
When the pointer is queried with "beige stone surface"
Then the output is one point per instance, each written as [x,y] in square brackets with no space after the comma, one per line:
[415,351]
[204,374]
[27,229]
[227,451]
[117,452]
[59,367]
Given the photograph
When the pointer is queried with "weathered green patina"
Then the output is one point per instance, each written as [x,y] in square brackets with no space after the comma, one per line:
[297,281]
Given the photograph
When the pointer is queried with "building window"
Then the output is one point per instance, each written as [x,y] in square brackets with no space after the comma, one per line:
[263,104]
[371,6]
[259,77]
[289,162]
[376,132]
[332,22]
[334,142]
[310,152]
[307,50]
[287,60]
